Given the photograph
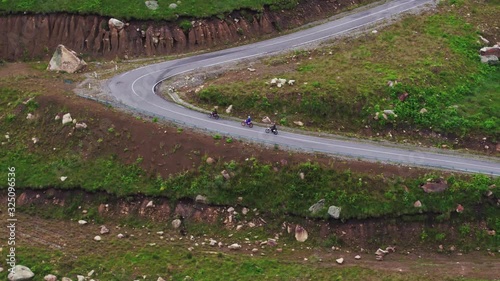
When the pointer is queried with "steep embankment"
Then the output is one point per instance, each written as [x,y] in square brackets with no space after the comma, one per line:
[36,36]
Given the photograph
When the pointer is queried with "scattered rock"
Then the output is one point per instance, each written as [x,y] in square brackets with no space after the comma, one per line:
[251,224]
[152,5]
[63,178]
[431,187]
[230,209]
[423,110]
[90,273]
[266,120]
[374,31]
[150,204]
[212,242]
[81,126]
[176,223]
[301,175]
[403,96]
[244,211]
[251,69]
[298,123]
[67,118]
[80,278]
[20,273]
[234,246]
[334,211]
[291,82]
[300,234]
[381,252]
[57,117]
[201,199]
[389,112]
[160,279]
[279,250]
[460,208]
[30,116]
[490,51]
[82,222]
[116,24]
[489,59]
[357,257]
[229,109]
[104,230]
[485,41]
[417,204]
[239,227]
[210,160]
[50,277]
[172,6]
[340,260]
[271,242]
[120,236]
[317,206]
[491,232]
[97,238]
[65,60]
[66,279]
[255,250]
[225,174]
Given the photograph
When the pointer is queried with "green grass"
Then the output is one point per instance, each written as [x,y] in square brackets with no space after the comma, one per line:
[125,9]
[433,57]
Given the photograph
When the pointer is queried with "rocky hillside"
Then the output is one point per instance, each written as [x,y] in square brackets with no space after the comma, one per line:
[37,35]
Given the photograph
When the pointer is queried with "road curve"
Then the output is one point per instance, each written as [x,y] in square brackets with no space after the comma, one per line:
[136,89]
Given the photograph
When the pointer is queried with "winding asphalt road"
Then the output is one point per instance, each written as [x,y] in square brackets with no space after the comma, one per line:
[136,89]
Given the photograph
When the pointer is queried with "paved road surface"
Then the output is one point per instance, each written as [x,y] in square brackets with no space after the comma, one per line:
[136,89]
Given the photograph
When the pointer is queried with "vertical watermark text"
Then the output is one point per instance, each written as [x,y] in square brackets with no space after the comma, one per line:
[11,219]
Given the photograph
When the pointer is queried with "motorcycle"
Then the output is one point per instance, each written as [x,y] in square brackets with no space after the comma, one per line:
[268,130]
[244,123]
[214,115]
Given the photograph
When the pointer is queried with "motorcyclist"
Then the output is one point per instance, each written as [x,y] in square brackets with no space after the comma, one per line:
[249,120]
[273,127]
[214,112]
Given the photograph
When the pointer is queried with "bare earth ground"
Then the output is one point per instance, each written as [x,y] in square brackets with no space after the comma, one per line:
[184,151]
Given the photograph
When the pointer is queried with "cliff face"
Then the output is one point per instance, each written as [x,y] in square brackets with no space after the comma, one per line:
[37,36]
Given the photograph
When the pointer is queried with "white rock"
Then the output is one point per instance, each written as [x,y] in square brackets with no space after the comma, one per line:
[255,250]
[279,85]
[104,230]
[300,234]
[172,6]
[65,60]
[423,110]
[50,277]
[374,31]
[229,109]
[120,235]
[239,227]
[20,273]
[80,278]
[81,126]
[57,117]
[82,222]
[160,232]
[282,81]
[176,223]
[251,69]
[417,204]
[230,210]
[117,24]
[90,273]
[35,140]
[251,224]
[244,211]
[150,204]
[274,81]
[67,118]
[63,178]
[30,116]
[298,123]
[97,238]
[212,242]
[234,246]
[301,175]
[334,211]
[66,279]
[152,5]
[291,82]
[358,257]
[160,279]
[340,261]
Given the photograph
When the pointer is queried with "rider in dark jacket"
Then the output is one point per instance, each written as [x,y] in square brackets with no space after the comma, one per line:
[273,127]
[214,112]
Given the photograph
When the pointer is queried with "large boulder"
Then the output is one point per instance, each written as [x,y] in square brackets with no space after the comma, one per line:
[318,206]
[490,51]
[65,60]
[20,273]
[152,5]
[117,24]
[334,211]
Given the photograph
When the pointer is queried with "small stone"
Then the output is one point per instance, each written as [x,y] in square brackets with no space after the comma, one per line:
[374,31]
[82,222]
[210,160]
[244,211]
[300,234]
[358,257]
[230,210]
[255,250]
[201,199]
[176,223]
[30,116]
[80,278]
[63,178]
[251,224]
[172,6]
[50,277]
[234,246]
[417,204]
[66,119]
[340,260]
[66,279]
[239,227]
[90,273]
[120,235]
[150,204]
[460,208]
[104,230]
[334,211]
[97,238]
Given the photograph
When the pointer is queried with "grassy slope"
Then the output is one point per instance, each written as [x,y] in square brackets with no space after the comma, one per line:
[126,9]
[433,57]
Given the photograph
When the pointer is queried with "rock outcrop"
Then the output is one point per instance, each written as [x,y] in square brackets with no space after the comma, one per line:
[93,35]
